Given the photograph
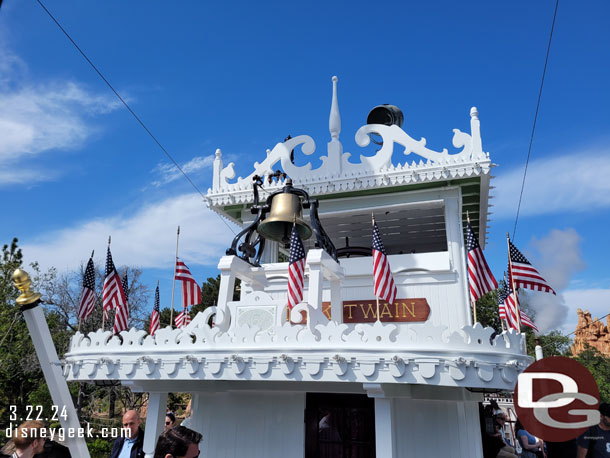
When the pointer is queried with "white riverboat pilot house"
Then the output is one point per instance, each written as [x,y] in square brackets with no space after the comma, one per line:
[339,378]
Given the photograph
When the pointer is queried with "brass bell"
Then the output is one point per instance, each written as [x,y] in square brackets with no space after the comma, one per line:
[285,211]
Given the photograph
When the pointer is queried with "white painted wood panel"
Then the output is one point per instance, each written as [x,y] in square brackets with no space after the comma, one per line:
[251,424]
[447,429]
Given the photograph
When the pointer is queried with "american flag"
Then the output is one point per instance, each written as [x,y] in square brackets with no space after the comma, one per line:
[385,288]
[183,318]
[296,269]
[112,291]
[526,321]
[125,284]
[113,296]
[480,278]
[523,273]
[155,316]
[87,299]
[509,304]
[191,292]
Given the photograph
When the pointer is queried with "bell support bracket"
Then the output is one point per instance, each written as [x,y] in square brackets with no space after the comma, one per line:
[322,239]
[253,245]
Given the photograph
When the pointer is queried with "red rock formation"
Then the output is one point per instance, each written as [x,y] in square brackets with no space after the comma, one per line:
[592,332]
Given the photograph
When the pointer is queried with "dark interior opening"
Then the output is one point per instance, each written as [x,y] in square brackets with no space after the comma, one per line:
[339,426]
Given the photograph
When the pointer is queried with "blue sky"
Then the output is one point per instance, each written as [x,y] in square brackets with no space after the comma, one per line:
[75,166]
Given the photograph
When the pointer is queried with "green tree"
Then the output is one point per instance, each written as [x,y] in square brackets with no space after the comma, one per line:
[164,318]
[553,344]
[209,294]
[599,365]
[487,311]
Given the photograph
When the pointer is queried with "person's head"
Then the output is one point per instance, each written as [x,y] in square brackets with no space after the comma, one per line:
[170,420]
[29,437]
[500,420]
[178,442]
[131,421]
[518,425]
[501,417]
[604,410]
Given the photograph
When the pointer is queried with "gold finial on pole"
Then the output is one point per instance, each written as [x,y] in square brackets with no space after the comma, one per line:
[22,282]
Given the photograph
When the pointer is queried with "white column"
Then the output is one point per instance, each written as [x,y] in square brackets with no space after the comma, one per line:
[384,440]
[384,420]
[336,303]
[270,253]
[197,416]
[455,245]
[155,421]
[316,284]
[51,369]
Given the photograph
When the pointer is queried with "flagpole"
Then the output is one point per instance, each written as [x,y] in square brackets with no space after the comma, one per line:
[512,282]
[171,315]
[474,304]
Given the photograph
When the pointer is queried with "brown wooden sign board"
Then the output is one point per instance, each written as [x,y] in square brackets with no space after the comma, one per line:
[402,310]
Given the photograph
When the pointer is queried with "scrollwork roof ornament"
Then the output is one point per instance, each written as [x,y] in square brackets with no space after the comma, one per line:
[336,164]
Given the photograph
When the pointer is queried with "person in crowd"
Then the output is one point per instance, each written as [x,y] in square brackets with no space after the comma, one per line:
[531,445]
[178,442]
[187,416]
[565,449]
[51,449]
[494,444]
[507,450]
[595,441]
[28,440]
[132,445]
[170,420]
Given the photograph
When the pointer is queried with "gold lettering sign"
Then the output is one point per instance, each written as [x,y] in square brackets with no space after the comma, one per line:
[402,310]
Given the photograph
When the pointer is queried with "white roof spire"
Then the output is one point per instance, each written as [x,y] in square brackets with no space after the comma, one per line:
[334,120]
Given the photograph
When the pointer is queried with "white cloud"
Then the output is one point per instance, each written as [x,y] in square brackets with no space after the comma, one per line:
[557,257]
[37,118]
[169,172]
[145,239]
[576,182]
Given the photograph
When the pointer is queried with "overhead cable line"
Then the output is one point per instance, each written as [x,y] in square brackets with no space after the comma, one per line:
[137,118]
[529,150]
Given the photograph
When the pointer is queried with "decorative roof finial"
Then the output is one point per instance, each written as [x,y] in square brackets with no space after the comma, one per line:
[475,132]
[334,121]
